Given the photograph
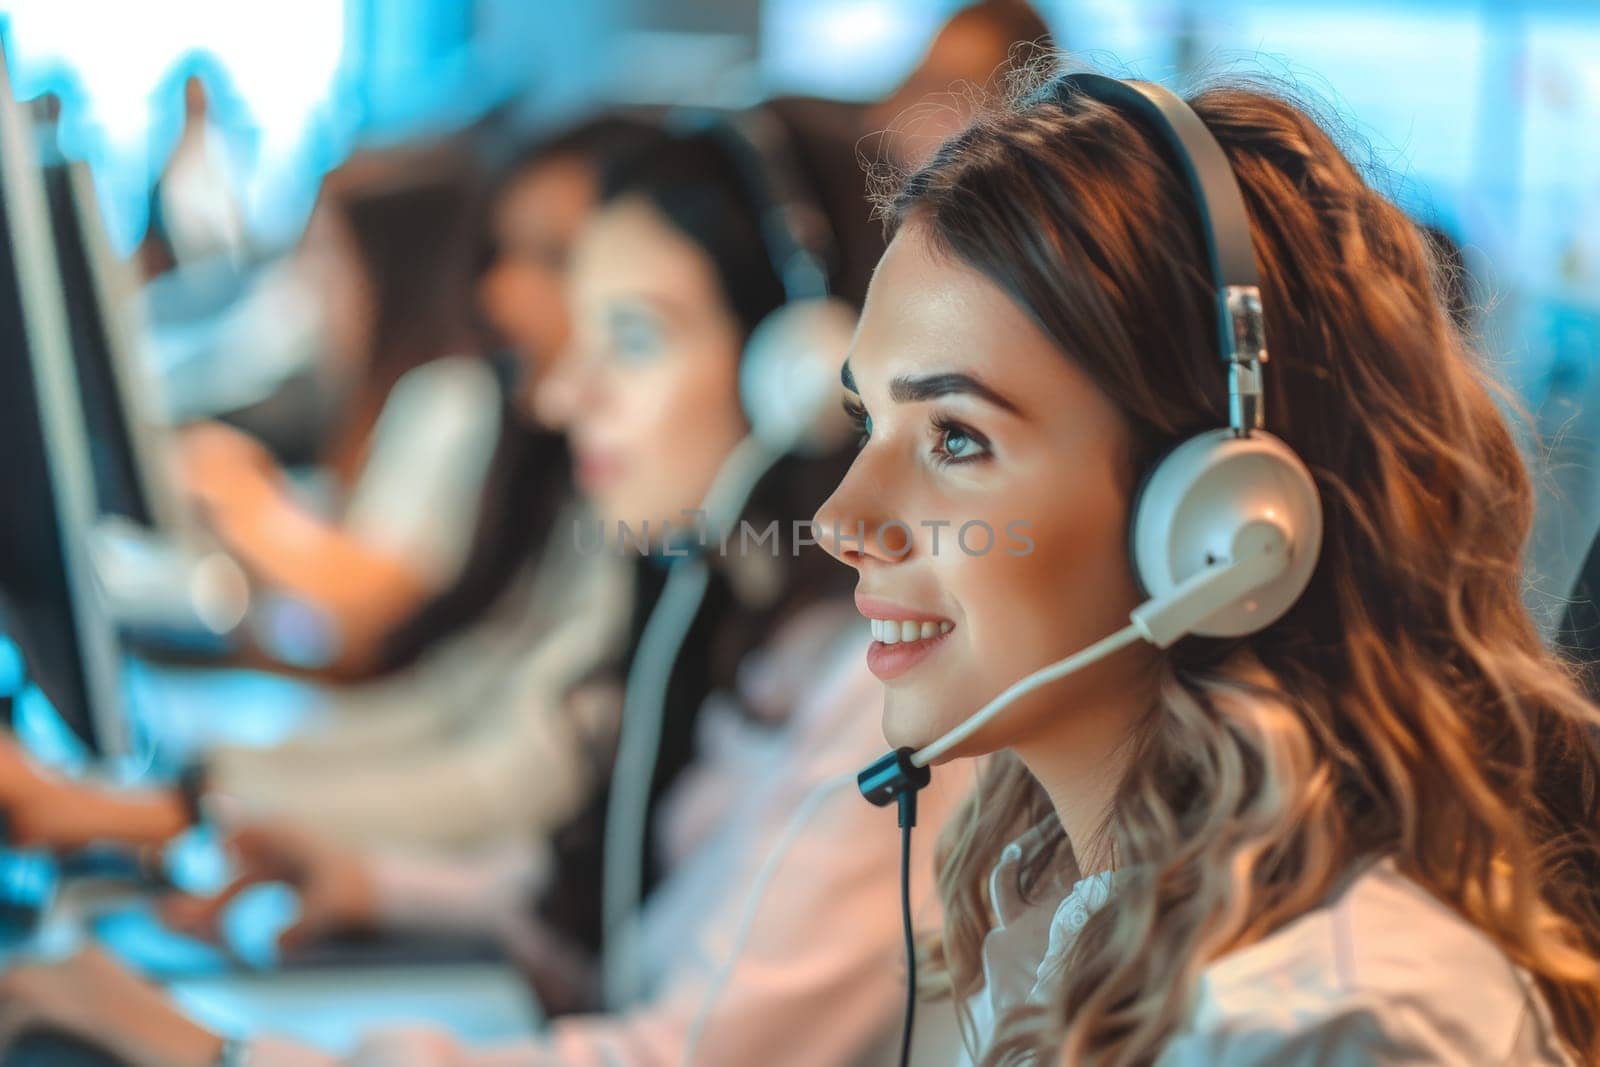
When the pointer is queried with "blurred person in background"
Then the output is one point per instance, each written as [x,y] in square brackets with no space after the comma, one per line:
[476,715]
[533,213]
[770,696]
[417,415]
[195,213]
[479,715]
[972,52]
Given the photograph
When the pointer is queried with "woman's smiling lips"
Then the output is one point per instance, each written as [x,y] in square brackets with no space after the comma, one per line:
[595,469]
[901,637]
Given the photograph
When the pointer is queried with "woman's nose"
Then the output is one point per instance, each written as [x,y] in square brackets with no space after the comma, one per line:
[564,389]
[854,525]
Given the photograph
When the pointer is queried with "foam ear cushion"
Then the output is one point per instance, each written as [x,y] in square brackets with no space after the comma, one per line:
[1197,499]
[789,375]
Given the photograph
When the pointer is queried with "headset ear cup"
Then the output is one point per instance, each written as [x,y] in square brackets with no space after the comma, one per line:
[789,376]
[1193,504]
[1135,509]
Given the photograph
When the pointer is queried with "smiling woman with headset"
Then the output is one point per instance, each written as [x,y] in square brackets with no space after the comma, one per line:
[1309,789]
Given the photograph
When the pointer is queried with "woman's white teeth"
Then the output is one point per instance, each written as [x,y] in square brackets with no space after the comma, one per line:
[893,632]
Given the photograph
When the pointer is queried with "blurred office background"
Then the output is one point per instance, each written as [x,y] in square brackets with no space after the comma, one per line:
[1483,109]
[217,123]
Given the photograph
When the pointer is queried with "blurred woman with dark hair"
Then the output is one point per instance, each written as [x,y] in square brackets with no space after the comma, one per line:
[474,710]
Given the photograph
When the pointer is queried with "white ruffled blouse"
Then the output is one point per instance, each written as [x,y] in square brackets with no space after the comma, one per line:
[1024,950]
[1382,975]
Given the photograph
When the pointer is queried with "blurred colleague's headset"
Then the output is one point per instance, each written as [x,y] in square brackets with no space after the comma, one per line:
[788,387]
[788,377]
[1225,530]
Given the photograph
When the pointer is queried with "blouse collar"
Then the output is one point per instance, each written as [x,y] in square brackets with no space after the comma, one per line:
[1024,951]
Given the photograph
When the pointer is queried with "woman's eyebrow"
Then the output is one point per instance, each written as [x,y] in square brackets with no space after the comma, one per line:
[847,379]
[909,389]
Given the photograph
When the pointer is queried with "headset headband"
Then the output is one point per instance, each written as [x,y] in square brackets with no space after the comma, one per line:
[795,230]
[1224,225]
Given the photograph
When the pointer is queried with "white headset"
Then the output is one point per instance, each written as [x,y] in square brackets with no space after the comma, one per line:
[1225,531]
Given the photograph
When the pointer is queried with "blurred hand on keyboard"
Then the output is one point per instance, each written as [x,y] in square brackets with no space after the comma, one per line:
[336,893]
[44,810]
[37,805]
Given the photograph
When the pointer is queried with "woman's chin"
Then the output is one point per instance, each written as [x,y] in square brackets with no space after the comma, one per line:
[908,723]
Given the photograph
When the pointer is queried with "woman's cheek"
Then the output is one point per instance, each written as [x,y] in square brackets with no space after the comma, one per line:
[1054,580]
[1010,604]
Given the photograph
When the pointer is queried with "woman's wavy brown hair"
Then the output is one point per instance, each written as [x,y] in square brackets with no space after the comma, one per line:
[1406,706]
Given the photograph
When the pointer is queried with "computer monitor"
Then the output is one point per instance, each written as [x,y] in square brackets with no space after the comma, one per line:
[123,444]
[49,596]
[160,574]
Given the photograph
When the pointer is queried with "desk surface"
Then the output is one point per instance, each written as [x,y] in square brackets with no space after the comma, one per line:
[480,1003]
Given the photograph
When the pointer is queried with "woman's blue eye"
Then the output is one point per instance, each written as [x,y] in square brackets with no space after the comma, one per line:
[636,344]
[956,443]
[634,337]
